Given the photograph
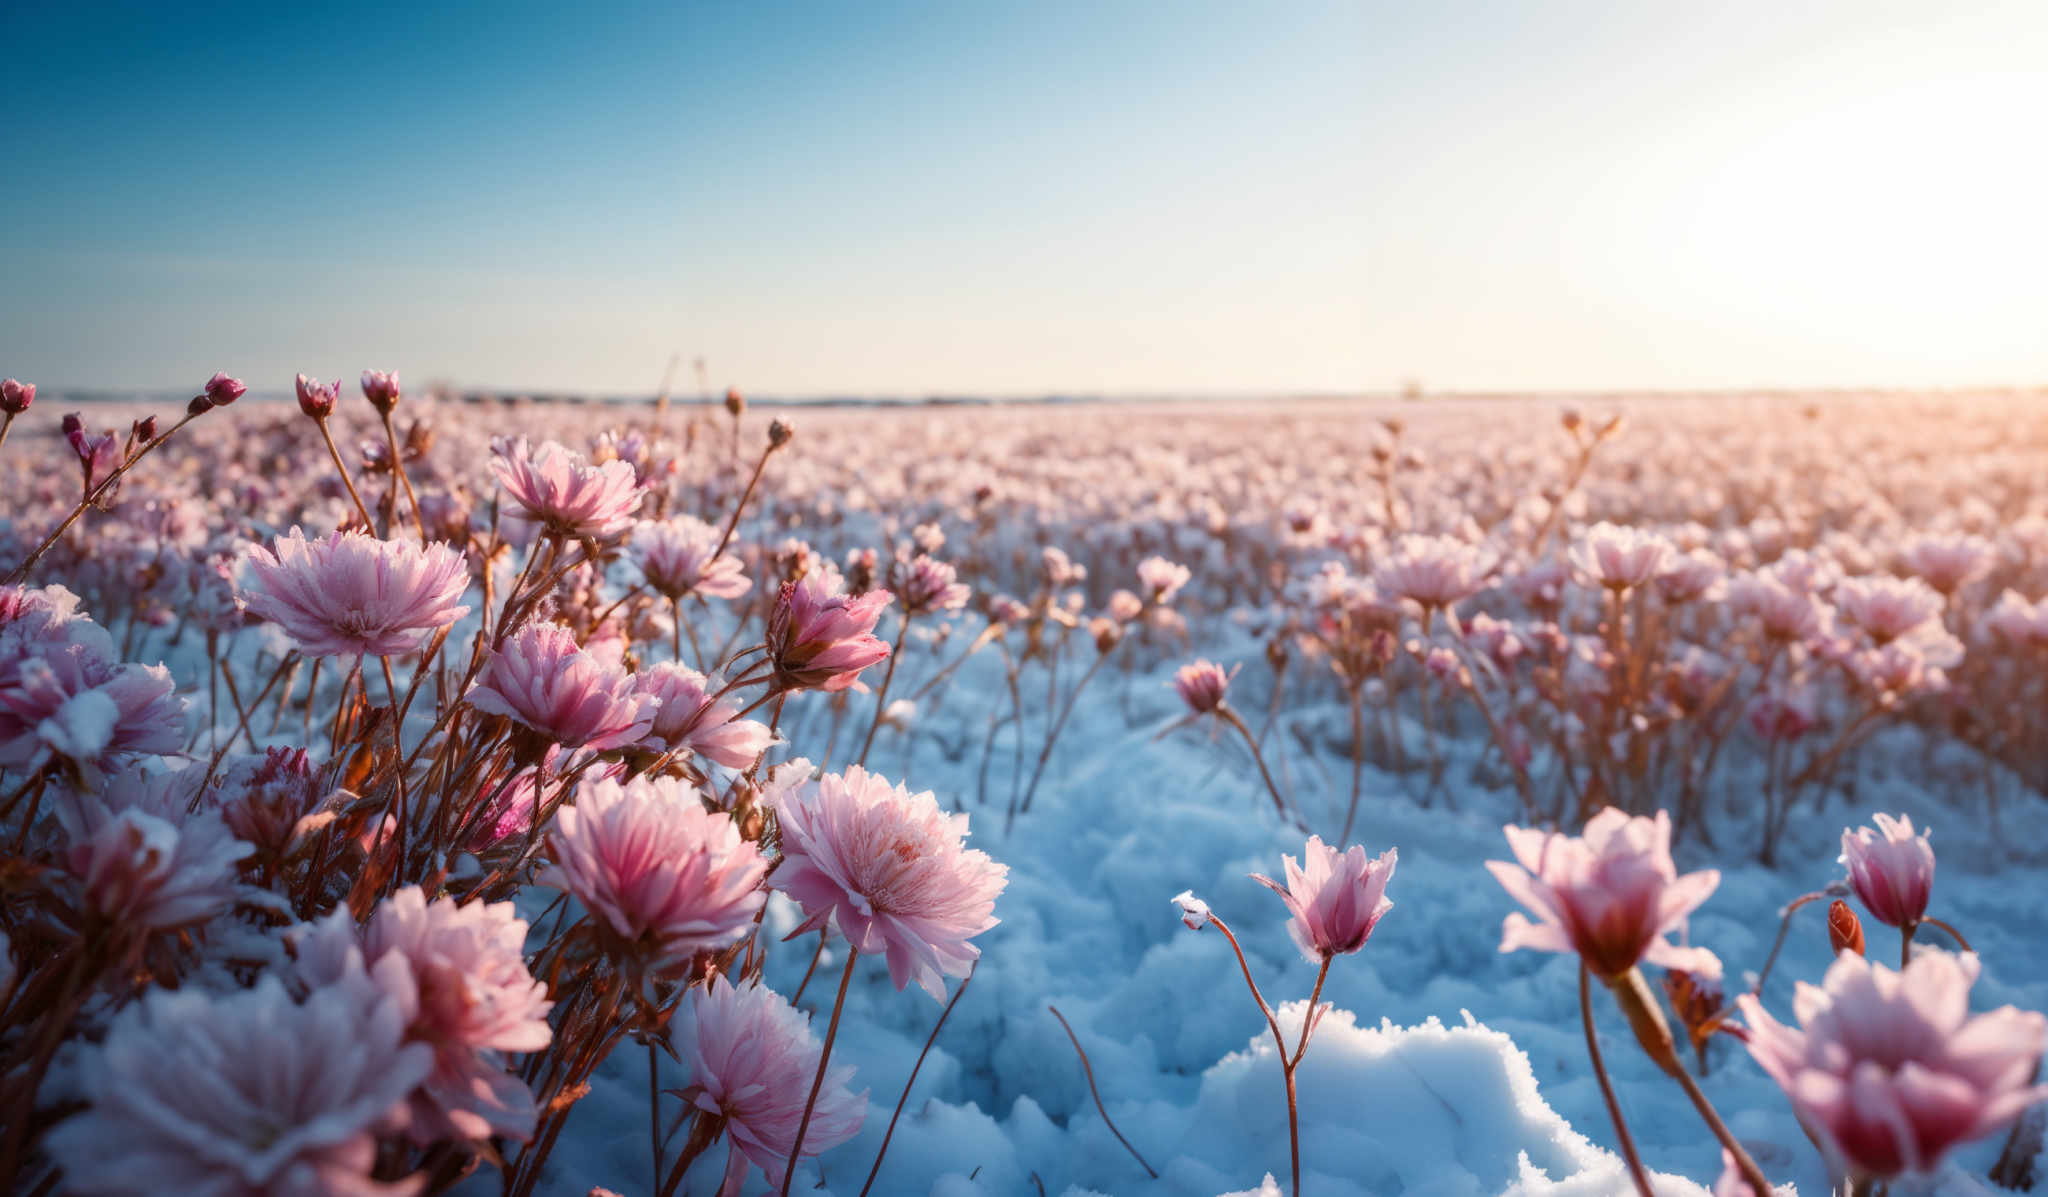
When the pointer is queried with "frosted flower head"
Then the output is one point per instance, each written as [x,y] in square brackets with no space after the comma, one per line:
[565,496]
[381,389]
[141,861]
[1430,571]
[752,1059]
[1948,563]
[926,584]
[62,698]
[1201,685]
[667,878]
[1697,576]
[1162,579]
[1889,1071]
[225,1096]
[540,679]
[1611,895]
[820,638]
[1891,869]
[675,558]
[1888,608]
[888,868]
[351,594]
[690,719]
[2018,622]
[1619,558]
[473,998]
[269,800]
[1194,913]
[1336,898]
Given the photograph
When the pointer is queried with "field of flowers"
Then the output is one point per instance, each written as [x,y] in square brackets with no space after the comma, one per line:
[406,796]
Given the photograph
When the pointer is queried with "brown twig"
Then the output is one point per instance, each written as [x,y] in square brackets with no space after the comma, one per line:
[1089,1070]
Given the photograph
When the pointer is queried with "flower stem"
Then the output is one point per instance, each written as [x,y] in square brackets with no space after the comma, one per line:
[369,525]
[1279,804]
[882,695]
[951,1002]
[1628,1143]
[796,1147]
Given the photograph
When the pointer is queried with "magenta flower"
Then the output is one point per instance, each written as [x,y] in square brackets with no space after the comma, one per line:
[566,496]
[1619,558]
[15,397]
[214,1096]
[675,557]
[1891,869]
[663,875]
[689,718]
[887,867]
[221,390]
[317,399]
[1889,1071]
[1610,896]
[270,800]
[1201,685]
[539,678]
[97,455]
[1337,898]
[820,638]
[752,1059]
[474,999]
[350,594]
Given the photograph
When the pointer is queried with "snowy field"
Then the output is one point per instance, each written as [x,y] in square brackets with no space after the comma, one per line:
[1407,600]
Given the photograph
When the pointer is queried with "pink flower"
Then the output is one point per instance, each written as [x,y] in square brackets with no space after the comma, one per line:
[351,594]
[97,455]
[1786,612]
[1782,713]
[2019,622]
[221,390]
[1889,1071]
[61,698]
[1695,576]
[270,800]
[1891,869]
[381,389]
[1948,563]
[752,1059]
[539,678]
[212,1096]
[140,860]
[675,558]
[1430,571]
[1125,606]
[1337,898]
[819,638]
[1610,896]
[888,867]
[1619,558]
[1161,579]
[1201,685]
[1888,608]
[662,874]
[926,584]
[317,399]
[1194,913]
[15,397]
[475,999]
[564,495]
[689,718]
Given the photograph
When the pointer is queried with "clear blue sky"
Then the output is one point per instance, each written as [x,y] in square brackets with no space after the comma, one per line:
[1010,198]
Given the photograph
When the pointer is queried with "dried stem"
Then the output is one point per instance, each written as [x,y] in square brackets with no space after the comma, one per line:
[1088,1070]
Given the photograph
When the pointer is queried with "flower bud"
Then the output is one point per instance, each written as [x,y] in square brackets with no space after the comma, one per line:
[1845,930]
[199,406]
[145,429]
[16,396]
[381,390]
[222,390]
[735,402]
[779,434]
[316,399]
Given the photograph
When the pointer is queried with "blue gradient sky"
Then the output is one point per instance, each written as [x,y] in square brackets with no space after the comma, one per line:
[1024,198]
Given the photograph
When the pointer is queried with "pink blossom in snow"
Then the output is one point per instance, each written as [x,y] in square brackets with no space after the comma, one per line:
[1889,1071]
[820,638]
[674,556]
[690,718]
[888,867]
[1611,895]
[1337,898]
[351,594]
[1891,869]
[565,496]
[539,678]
